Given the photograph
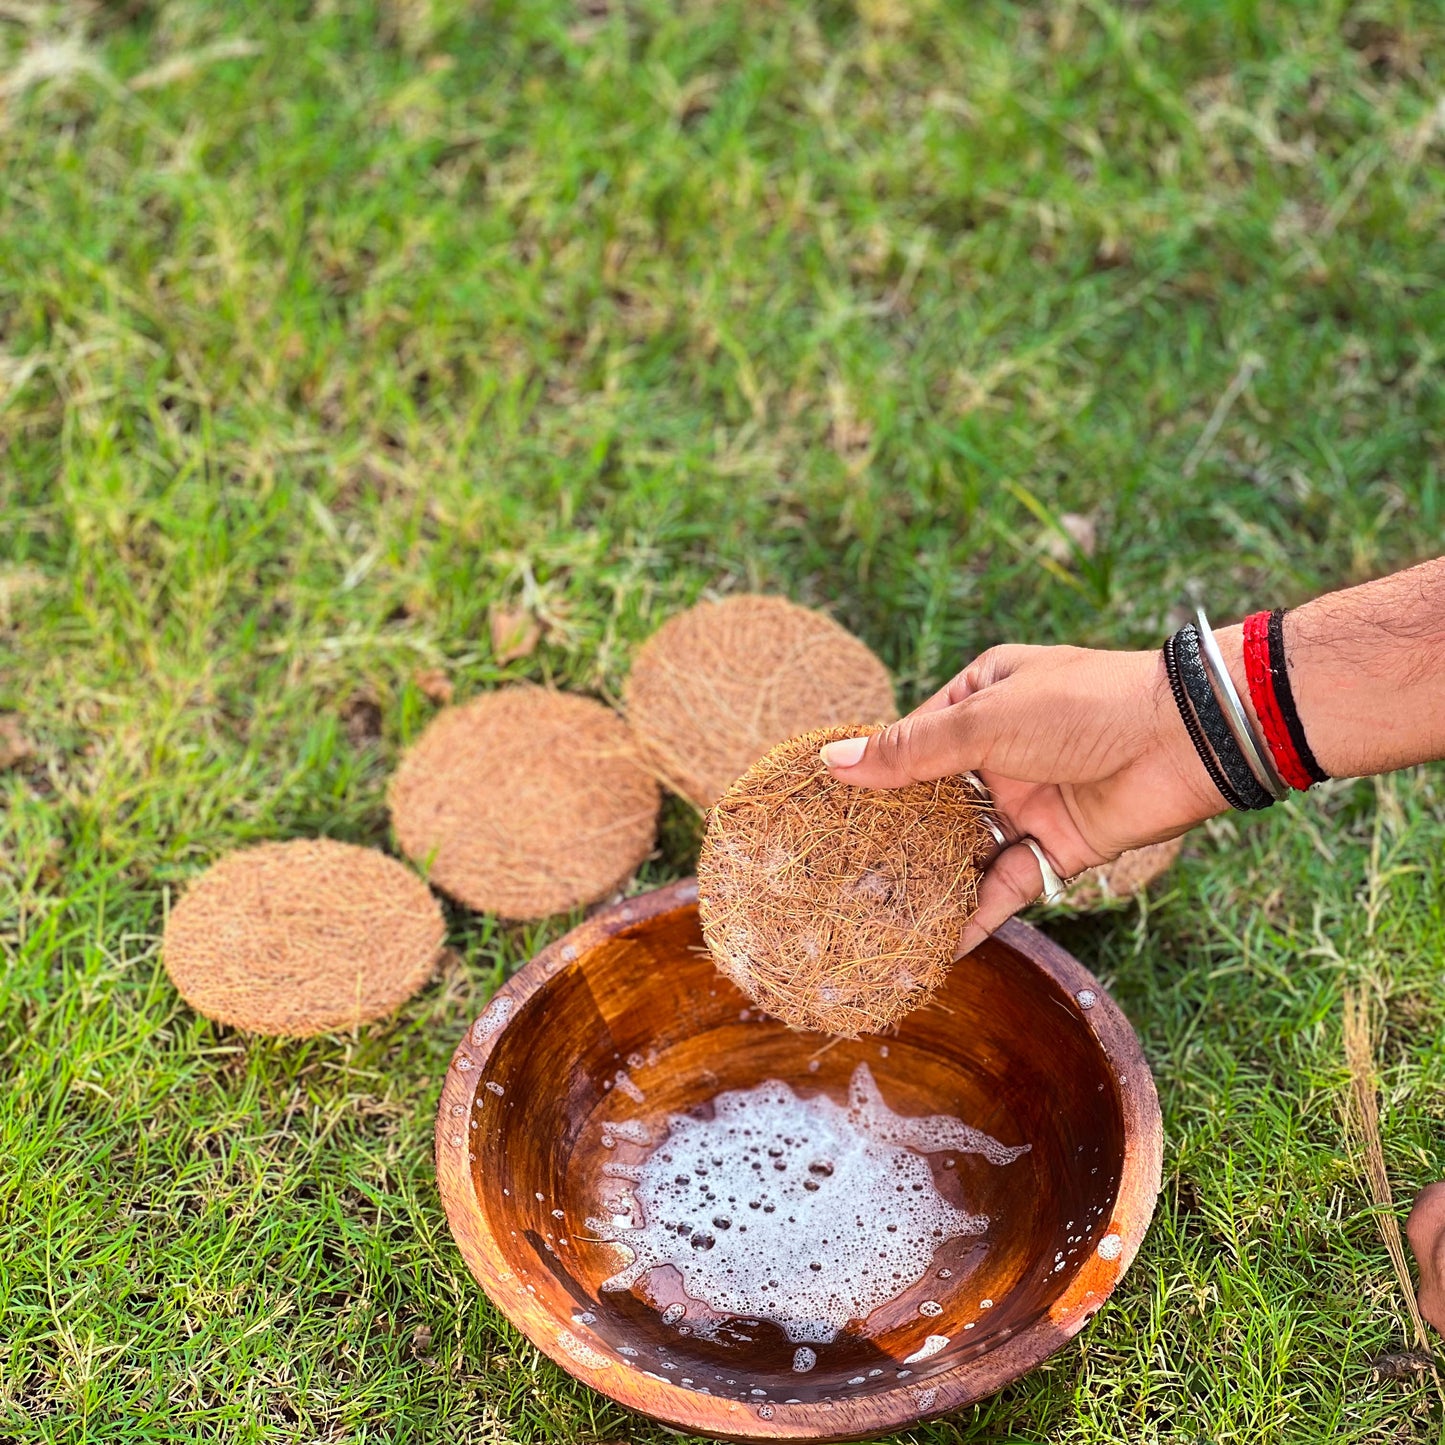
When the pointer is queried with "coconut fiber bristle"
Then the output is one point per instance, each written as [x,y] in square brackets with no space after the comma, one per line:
[525,802]
[302,938]
[718,685]
[832,907]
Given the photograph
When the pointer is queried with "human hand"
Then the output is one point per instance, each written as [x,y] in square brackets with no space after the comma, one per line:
[1083,751]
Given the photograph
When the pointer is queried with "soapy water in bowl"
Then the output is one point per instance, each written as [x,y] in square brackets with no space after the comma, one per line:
[803,1212]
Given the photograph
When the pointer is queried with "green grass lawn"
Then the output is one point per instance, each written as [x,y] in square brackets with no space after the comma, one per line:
[325,328]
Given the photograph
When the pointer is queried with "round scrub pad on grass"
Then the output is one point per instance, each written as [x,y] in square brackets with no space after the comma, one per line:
[1128,875]
[714,688]
[303,937]
[525,802]
[832,907]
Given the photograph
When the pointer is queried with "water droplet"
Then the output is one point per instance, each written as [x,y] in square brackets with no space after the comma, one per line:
[497,1013]
[930,1347]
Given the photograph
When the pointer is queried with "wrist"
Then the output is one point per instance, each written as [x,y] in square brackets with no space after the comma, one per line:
[1231,648]
[1190,796]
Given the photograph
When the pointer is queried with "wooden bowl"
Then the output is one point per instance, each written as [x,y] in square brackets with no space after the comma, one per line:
[627,1019]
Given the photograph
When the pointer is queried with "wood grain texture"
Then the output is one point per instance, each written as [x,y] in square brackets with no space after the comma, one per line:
[1020,1041]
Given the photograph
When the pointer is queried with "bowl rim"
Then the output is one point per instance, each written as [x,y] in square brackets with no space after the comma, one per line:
[866,1416]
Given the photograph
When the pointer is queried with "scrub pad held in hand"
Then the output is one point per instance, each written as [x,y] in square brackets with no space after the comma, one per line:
[525,802]
[832,907]
[718,685]
[302,938]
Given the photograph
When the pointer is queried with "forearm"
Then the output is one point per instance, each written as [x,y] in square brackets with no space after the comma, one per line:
[1367,669]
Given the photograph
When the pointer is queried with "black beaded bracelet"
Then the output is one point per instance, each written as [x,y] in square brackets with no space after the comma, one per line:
[1204,721]
[1191,726]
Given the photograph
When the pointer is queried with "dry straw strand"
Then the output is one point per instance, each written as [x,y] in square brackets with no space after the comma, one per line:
[525,802]
[1359,1038]
[302,938]
[718,685]
[837,908]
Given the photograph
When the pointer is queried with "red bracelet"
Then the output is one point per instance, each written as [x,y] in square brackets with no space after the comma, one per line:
[1267,706]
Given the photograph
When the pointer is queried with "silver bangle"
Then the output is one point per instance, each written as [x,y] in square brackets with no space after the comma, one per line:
[1261,764]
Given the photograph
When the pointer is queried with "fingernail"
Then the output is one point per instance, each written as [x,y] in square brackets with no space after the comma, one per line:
[844,753]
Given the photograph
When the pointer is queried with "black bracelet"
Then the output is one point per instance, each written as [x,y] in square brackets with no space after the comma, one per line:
[1191,726]
[1244,791]
[1284,696]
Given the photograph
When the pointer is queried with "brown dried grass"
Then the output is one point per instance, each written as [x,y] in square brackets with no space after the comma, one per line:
[302,938]
[525,802]
[838,908]
[718,685]
[1359,1039]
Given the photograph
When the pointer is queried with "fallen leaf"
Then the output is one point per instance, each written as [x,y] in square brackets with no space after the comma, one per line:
[1080,534]
[1401,1365]
[361,717]
[14,745]
[421,1340]
[433,683]
[515,633]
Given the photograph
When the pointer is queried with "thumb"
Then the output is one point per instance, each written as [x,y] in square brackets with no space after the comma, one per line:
[1012,881]
[916,749]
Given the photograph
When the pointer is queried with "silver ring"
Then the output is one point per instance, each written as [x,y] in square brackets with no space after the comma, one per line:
[1054,886]
[989,822]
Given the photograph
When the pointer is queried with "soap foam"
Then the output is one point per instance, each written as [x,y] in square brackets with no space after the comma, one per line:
[804,1212]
